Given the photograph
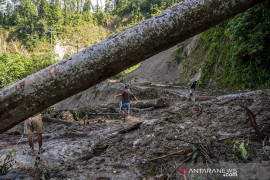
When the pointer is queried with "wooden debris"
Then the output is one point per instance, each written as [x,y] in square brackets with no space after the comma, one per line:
[208,154]
[144,109]
[132,128]
[252,119]
[228,101]
[46,118]
[97,114]
[156,103]
[203,98]
[96,150]
[172,112]
[264,148]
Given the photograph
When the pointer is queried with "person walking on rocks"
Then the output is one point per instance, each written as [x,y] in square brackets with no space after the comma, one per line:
[30,125]
[127,96]
[191,88]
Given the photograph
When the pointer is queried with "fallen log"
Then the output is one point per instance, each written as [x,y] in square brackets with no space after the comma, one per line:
[143,110]
[227,101]
[156,103]
[129,129]
[102,114]
[111,56]
[46,118]
[203,98]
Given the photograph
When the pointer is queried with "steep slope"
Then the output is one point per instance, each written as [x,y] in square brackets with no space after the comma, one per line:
[166,68]
[161,68]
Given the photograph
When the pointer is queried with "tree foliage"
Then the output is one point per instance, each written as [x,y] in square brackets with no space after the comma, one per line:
[16,67]
[32,19]
[241,47]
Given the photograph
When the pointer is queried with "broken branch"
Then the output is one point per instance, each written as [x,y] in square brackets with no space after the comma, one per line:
[252,119]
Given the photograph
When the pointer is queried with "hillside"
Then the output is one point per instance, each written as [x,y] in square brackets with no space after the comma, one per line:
[167,68]
[160,68]
[66,43]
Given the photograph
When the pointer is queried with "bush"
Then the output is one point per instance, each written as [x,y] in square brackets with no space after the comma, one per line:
[241,46]
[16,67]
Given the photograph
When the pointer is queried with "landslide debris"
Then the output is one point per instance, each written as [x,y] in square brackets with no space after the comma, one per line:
[152,143]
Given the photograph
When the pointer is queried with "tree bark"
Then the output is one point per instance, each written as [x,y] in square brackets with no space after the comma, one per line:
[111,56]
[143,110]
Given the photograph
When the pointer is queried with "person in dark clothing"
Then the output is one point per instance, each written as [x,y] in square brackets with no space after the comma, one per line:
[192,87]
[127,96]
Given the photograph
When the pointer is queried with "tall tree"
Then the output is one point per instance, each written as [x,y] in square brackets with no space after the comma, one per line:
[108,6]
[43,9]
[111,56]
[97,6]
[87,6]
[55,14]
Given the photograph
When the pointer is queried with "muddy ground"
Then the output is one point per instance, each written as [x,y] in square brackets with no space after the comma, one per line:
[152,144]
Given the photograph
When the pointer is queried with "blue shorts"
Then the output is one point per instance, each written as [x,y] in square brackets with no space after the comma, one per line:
[126,106]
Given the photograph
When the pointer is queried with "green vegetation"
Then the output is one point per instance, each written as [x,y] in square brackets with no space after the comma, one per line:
[177,51]
[237,50]
[15,67]
[8,162]
[240,49]
[193,155]
[239,151]
[26,26]
[141,9]
[31,21]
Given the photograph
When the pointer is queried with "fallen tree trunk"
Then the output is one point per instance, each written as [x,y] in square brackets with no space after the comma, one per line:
[102,114]
[131,128]
[46,118]
[143,110]
[111,56]
[203,98]
[156,103]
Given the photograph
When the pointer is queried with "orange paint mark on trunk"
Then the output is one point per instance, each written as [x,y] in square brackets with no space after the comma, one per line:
[22,85]
[52,70]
